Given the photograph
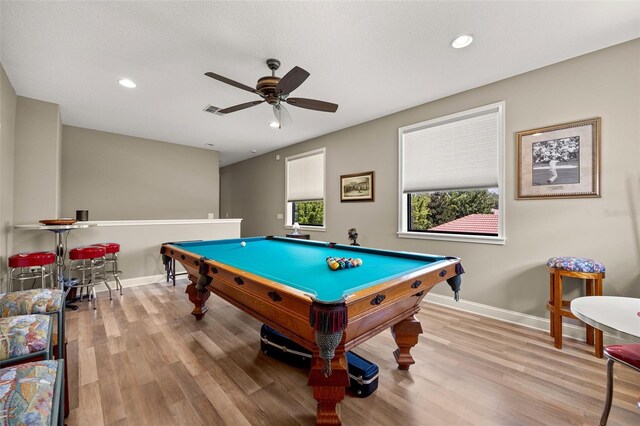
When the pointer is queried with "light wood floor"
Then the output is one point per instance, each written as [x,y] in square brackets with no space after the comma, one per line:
[144,360]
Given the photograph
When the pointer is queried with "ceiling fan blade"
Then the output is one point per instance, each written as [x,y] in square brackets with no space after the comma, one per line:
[291,81]
[239,107]
[282,116]
[312,104]
[231,82]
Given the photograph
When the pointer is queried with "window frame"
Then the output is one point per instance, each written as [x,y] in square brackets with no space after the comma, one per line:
[403,212]
[288,205]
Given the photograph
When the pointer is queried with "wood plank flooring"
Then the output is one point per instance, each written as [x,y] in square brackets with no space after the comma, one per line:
[144,360]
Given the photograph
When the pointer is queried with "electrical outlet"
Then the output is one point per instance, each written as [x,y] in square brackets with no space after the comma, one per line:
[280,216]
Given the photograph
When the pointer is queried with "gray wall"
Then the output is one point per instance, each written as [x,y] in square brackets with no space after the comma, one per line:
[605,83]
[119,177]
[36,161]
[8,100]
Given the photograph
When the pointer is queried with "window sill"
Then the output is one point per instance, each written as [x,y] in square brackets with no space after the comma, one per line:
[480,239]
[308,228]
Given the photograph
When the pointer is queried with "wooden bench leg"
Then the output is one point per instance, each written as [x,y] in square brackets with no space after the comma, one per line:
[552,327]
[557,306]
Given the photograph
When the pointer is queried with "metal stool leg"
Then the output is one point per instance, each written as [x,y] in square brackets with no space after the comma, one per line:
[609,396]
[116,273]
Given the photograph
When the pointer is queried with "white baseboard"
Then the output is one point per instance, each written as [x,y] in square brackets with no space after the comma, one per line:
[568,330]
[133,282]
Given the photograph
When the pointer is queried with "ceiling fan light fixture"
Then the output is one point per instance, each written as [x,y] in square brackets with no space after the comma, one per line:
[461,41]
[127,83]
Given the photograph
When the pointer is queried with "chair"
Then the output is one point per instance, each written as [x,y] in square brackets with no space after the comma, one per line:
[35,302]
[31,266]
[38,303]
[576,267]
[32,393]
[111,267]
[627,354]
[89,264]
[25,337]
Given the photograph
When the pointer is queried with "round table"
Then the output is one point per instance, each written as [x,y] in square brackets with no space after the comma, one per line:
[613,314]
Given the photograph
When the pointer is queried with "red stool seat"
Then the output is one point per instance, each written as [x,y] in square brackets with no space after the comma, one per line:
[627,354]
[110,248]
[89,252]
[25,260]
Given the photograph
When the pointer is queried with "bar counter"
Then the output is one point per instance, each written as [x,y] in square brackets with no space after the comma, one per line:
[140,240]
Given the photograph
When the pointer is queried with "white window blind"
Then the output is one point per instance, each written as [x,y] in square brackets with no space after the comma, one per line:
[305,177]
[452,154]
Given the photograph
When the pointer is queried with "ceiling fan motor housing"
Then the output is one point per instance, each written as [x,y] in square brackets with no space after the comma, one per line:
[266,87]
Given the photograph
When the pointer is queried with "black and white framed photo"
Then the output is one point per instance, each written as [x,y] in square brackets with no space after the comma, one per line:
[561,161]
[356,187]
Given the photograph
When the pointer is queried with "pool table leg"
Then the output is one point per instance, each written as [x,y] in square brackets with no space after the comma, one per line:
[329,391]
[198,298]
[406,334]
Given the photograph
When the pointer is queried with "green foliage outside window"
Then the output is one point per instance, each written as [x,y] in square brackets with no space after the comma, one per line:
[435,208]
[309,213]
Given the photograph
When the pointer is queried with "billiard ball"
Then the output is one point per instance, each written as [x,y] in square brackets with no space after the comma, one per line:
[242,244]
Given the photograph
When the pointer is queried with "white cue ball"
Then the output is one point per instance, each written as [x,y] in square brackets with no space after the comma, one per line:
[243,244]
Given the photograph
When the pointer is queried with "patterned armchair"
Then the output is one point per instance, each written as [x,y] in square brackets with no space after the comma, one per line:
[31,394]
[36,303]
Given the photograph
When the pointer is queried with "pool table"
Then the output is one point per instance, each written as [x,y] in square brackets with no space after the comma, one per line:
[288,284]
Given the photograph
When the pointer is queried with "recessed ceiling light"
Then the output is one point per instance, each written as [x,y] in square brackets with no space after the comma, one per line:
[462,41]
[274,124]
[127,83]
[253,151]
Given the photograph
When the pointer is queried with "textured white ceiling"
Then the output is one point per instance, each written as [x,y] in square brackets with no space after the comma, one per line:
[372,58]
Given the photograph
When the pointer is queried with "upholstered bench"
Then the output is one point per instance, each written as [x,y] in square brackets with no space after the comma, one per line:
[575,267]
[31,394]
[24,337]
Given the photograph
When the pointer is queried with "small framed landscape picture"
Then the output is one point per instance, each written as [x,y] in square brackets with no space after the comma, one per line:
[561,161]
[356,187]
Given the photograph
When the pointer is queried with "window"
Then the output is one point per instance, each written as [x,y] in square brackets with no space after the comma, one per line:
[452,177]
[305,189]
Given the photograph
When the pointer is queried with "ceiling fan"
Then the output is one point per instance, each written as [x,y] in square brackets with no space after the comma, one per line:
[275,91]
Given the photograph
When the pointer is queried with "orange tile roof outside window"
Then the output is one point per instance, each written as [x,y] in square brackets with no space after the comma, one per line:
[471,224]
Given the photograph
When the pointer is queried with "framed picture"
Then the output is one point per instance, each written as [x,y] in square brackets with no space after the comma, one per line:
[356,187]
[561,161]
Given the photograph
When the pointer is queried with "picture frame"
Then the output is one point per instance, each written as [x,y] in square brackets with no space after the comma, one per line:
[357,187]
[561,161]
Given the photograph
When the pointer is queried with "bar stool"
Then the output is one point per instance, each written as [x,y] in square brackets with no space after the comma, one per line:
[111,268]
[31,266]
[577,267]
[88,261]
